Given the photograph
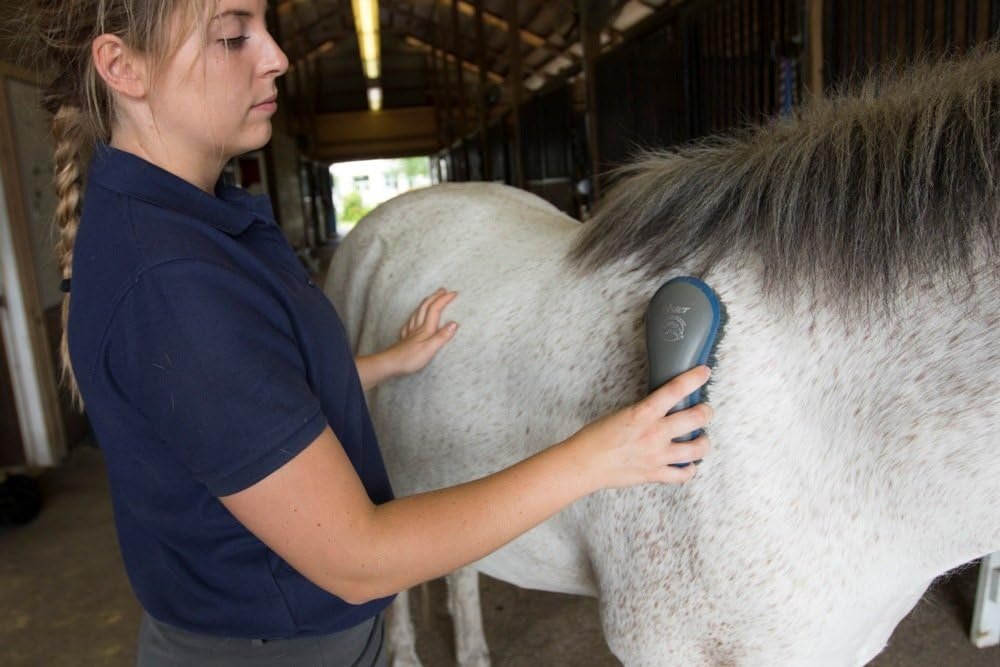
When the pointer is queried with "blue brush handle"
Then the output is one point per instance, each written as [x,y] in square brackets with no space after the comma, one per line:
[682,323]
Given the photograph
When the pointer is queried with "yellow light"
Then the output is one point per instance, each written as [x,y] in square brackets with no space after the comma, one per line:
[366,24]
[375,99]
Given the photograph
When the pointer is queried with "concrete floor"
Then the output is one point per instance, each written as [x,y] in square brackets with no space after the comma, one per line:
[65,601]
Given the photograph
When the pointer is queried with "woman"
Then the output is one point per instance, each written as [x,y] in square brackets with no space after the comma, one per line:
[254,513]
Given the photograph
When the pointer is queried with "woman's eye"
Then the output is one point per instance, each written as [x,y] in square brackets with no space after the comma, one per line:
[235,42]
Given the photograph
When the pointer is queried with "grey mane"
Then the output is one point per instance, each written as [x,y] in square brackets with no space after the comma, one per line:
[852,196]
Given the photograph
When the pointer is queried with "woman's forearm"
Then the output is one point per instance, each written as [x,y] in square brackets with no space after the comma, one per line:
[373,369]
[421,537]
[316,514]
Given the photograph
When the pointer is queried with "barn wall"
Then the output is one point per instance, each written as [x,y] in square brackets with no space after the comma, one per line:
[710,66]
[547,129]
[860,35]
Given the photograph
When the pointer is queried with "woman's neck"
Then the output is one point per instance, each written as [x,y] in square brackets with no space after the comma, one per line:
[201,172]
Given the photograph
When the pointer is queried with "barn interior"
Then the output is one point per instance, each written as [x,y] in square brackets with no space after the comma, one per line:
[545,95]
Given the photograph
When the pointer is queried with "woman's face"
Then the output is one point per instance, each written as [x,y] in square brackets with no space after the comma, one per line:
[215,97]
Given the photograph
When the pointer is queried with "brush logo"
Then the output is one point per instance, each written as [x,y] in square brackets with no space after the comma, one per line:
[673,329]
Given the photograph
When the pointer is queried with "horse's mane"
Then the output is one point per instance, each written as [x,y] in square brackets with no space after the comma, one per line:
[853,194]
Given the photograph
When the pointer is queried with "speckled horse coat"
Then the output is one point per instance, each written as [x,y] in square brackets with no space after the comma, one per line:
[857,396]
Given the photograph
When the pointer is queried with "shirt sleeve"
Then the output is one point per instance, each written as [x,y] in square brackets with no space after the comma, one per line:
[212,360]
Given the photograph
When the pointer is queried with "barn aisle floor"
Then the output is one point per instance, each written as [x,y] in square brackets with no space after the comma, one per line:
[65,601]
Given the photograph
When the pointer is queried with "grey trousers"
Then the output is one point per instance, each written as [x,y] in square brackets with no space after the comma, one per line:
[162,645]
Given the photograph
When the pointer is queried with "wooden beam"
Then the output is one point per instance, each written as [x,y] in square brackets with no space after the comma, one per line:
[297,36]
[527,36]
[590,40]
[448,100]
[814,48]
[43,432]
[385,125]
[372,150]
[312,86]
[516,83]
[460,83]
[557,49]
[437,93]
[473,68]
[430,26]
[387,133]
[484,144]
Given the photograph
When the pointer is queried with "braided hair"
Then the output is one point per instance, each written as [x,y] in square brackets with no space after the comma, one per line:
[82,107]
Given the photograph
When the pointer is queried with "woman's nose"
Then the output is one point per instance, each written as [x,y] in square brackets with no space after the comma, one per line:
[276,62]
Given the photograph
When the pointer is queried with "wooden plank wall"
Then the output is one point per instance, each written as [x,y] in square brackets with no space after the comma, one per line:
[546,147]
[861,35]
[714,65]
[711,67]
[642,95]
[499,145]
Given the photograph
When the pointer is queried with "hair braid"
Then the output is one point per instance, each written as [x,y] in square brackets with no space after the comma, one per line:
[82,108]
[70,132]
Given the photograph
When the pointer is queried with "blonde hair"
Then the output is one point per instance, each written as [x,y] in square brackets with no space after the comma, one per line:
[81,105]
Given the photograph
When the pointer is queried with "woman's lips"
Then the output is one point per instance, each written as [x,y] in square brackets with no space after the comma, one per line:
[269,106]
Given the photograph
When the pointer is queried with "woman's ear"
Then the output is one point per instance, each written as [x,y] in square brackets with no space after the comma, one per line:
[122,70]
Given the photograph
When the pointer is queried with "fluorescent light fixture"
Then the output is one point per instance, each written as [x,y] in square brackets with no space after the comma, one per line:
[375,98]
[366,24]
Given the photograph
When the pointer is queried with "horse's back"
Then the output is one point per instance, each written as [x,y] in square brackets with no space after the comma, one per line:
[455,235]
[469,413]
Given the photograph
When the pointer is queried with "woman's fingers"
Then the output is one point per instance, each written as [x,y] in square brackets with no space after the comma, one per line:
[685,452]
[421,312]
[671,475]
[687,421]
[433,313]
[671,393]
[428,314]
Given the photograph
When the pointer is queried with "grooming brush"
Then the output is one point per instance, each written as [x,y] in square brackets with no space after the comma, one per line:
[682,323]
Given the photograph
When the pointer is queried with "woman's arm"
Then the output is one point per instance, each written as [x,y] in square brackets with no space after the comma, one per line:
[315,513]
[419,340]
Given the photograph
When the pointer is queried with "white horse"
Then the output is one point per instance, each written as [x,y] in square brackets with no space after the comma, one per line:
[857,385]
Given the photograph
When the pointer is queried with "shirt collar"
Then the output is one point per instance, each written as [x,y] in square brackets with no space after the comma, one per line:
[231,210]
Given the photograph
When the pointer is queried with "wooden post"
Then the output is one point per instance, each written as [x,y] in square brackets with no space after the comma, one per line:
[514,80]
[435,84]
[484,144]
[814,48]
[36,392]
[312,87]
[463,127]
[591,42]
[448,98]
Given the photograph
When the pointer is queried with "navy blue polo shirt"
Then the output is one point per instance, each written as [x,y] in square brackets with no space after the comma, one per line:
[207,359]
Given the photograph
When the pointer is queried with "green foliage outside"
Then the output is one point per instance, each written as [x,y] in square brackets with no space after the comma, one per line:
[415,166]
[354,209]
[351,208]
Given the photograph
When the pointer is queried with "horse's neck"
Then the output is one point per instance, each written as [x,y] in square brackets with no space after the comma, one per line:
[911,402]
[894,419]
[900,410]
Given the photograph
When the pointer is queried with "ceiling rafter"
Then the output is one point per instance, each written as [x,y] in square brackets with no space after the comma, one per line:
[416,42]
[555,55]
[297,36]
[397,8]
[491,19]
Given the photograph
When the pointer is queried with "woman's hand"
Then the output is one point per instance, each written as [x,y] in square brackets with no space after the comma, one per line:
[422,336]
[634,445]
[315,513]
[420,339]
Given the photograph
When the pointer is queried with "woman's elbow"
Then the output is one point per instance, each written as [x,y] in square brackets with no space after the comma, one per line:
[358,593]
